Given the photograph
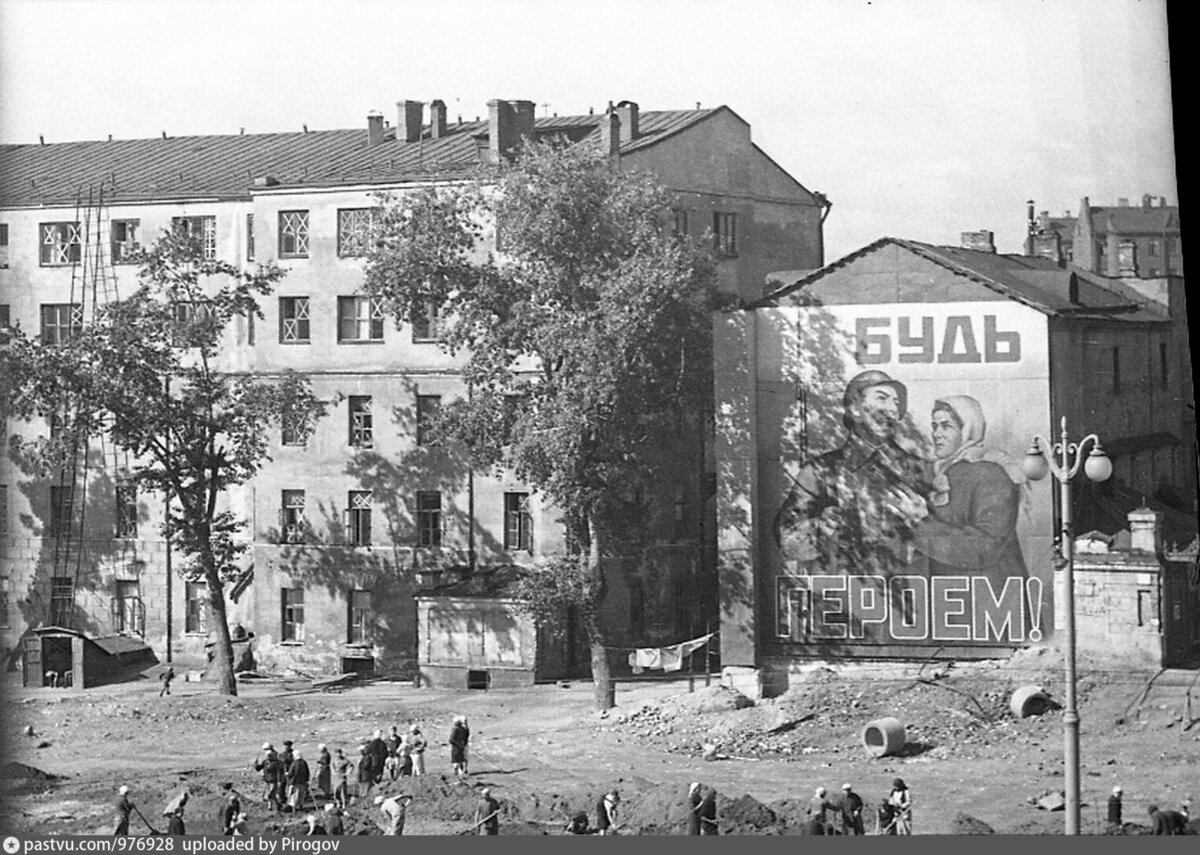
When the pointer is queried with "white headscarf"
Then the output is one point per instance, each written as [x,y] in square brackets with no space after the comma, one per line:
[974,430]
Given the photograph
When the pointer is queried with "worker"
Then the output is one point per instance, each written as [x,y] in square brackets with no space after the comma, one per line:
[852,808]
[124,809]
[333,820]
[819,809]
[166,677]
[487,813]
[578,824]
[606,813]
[695,799]
[378,750]
[395,809]
[231,806]
[901,801]
[1169,822]
[366,772]
[313,827]
[298,776]
[418,742]
[1114,809]
[460,735]
[324,772]
[708,812]
[341,768]
[272,773]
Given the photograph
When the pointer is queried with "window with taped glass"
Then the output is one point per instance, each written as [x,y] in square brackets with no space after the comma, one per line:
[195,620]
[356,230]
[60,321]
[124,241]
[361,618]
[203,229]
[360,319]
[291,517]
[428,407]
[128,610]
[62,601]
[293,320]
[724,226]
[293,234]
[60,243]
[358,518]
[362,422]
[127,510]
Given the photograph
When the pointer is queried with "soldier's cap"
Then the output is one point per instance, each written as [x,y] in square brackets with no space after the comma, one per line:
[866,379]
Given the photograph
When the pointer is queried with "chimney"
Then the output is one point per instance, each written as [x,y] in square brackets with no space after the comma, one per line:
[1145,530]
[374,128]
[508,123]
[610,134]
[980,241]
[1122,202]
[1048,245]
[1162,201]
[628,112]
[409,119]
[437,118]
[1044,221]
[1147,199]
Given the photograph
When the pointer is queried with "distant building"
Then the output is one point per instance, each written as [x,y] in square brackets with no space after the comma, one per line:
[1123,240]
[347,527]
[900,524]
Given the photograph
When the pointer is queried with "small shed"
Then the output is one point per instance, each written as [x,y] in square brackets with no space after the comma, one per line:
[60,657]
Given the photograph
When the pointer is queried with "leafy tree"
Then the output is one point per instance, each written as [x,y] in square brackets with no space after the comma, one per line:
[151,374]
[584,340]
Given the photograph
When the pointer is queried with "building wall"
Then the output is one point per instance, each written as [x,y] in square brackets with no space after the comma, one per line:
[1118,606]
[470,634]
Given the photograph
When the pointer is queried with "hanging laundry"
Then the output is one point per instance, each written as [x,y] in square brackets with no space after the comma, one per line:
[667,658]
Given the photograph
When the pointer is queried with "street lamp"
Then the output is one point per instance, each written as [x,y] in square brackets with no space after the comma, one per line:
[1063,459]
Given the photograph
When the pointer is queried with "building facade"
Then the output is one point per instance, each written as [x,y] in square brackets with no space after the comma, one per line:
[1118,240]
[347,527]
[872,418]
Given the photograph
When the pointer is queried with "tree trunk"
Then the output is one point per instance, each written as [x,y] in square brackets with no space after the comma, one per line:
[602,685]
[222,661]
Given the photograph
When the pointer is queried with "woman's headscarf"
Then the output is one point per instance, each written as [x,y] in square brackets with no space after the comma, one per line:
[969,415]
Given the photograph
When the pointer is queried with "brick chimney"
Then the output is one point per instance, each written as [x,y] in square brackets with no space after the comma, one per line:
[1145,530]
[1147,201]
[437,118]
[980,241]
[610,134]
[628,112]
[1122,202]
[509,123]
[1048,245]
[374,128]
[409,121]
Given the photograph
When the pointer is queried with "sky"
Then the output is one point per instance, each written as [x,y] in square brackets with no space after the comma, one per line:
[919,119]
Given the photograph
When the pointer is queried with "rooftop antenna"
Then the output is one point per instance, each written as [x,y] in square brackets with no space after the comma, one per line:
[241,131]
[41,139]
[305,126]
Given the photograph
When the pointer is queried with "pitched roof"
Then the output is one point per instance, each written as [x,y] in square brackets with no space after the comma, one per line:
[1135,219]
[1033,281]
[226,166]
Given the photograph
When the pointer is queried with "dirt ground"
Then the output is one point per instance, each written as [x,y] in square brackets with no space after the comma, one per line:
[970,764]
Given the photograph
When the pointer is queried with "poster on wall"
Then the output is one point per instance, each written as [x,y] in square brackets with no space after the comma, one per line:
[901,516]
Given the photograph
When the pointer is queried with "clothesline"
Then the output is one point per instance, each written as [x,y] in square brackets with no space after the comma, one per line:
[702,640]
[668,658]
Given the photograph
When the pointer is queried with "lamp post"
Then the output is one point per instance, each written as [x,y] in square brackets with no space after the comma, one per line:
[1064,459]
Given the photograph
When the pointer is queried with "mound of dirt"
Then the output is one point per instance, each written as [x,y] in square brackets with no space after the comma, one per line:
[964,823]
[12,770]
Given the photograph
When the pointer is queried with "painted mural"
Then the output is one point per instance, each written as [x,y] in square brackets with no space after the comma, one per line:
[901,517]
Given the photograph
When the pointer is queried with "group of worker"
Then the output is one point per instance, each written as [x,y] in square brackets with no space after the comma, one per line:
[1162,821]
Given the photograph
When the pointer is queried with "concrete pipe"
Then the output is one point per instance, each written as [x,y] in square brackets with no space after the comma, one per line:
[1029,701]
[883,736]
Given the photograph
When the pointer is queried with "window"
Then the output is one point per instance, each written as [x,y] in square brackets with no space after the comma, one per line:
[724,233]
[195,619]
[62,600]
[429,518]
[362,424]
[5,323]
[292,600]
[203,229]
[3,510]
[356,226]
[60,321]
[291,517]
[360,319]
[294,423]
[3,244]
[1152,248]
[1116,370]
[5,619]
[358,518]
[127,510]
[60,511]
[293,320]
[428,407]
[681,221]
[193,322]
[128,611]
[428,325]
[1168,246]
[60,243]
[293,234]
[1164,374]
[124,238]
[249,237]
[518,523]
[358,629]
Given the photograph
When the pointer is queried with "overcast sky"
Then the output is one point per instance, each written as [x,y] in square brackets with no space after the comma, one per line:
[918,118]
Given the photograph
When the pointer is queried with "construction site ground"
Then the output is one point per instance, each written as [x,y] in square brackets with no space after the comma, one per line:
[971,765]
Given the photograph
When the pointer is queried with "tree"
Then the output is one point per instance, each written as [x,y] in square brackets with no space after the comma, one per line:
[584,339]
[147,374]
